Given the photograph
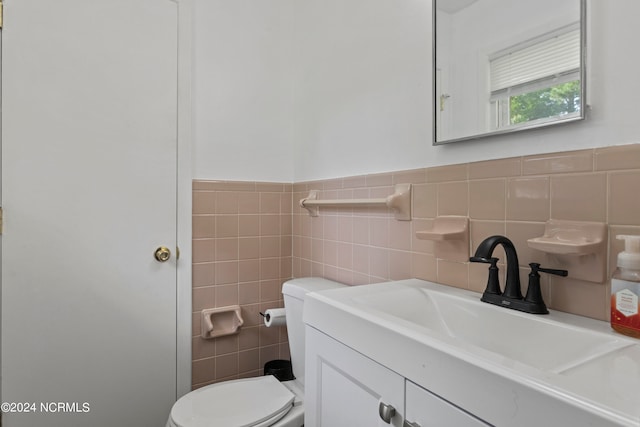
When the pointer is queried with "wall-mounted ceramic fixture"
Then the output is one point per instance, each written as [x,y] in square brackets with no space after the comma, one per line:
[577,246]
[399,201]
[451,237]
[218,322]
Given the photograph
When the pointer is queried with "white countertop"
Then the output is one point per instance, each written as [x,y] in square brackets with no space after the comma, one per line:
[600,389]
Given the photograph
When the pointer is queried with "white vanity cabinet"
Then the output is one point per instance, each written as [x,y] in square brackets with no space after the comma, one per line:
[344,388]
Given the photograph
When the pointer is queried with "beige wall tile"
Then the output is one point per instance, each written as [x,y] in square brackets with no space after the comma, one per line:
[269,246]
[424,201]
[379,232]
[224,185]
[203,202]
[487,199]
[226,272]
[416,176]
[203,226]
[248,225]
[202,348]
[269,268]
[249,292]
[226,366]
[226,226]
[226,344]
[249,247]
[203,250]
[269,290]
[330,227]
[528,199]
[227,249]
[203,298]
[248,270]
[269,203]
[203,370]
[400,235]
[269,225]
[618,157]
[379,179]
[579,197]
[399,265]
[227,202]
[345,229]
[249,202]
[249,360]
[424,266]
[624,202]
[354,182]
[271,187]
[572,161]
[495,168]
[379,262]
[226,295]
[345,256]
[453,198]
[582,298]
[330,252]
[203,274]
[249,337]
[453,273]
[447,173]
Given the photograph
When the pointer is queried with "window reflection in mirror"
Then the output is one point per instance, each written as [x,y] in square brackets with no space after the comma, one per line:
[506,65]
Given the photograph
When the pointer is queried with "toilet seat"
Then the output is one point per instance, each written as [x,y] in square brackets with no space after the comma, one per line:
[250,402]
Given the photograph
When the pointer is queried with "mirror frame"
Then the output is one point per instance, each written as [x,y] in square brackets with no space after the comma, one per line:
[583,87]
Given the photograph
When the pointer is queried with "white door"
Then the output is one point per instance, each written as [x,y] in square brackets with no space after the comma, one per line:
[89,105]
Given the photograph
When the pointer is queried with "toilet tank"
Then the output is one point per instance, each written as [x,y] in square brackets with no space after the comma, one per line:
[294,291]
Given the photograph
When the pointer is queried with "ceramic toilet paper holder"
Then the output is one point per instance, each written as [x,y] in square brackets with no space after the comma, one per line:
[218,322]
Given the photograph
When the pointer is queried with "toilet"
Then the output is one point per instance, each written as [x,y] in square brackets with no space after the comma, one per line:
[260,401]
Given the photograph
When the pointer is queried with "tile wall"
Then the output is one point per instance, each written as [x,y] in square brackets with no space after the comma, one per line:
[241,255]
[237,227]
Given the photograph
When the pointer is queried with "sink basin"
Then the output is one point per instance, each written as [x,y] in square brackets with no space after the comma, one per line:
[441,337]
[506,336]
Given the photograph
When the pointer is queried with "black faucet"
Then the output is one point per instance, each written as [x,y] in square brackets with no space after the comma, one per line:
[512,295]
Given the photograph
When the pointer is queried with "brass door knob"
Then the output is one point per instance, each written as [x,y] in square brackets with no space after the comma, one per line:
[162,254]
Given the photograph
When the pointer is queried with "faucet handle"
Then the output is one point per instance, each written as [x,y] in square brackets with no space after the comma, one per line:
[535,268]
[533,298]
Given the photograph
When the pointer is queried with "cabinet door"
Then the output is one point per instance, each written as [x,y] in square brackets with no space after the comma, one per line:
[346,389]
[425,409]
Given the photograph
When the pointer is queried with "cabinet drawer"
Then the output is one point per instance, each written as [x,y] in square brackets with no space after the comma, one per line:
[425,409]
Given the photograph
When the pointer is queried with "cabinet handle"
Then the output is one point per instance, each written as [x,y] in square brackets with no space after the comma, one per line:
[386,412]
[410,424]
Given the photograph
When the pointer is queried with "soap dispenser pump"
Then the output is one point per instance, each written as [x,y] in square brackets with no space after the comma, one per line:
[625,289]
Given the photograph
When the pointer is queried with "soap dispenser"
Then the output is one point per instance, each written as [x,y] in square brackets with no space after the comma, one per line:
[625,289]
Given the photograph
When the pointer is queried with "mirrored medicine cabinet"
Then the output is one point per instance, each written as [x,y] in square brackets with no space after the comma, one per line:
[503,66]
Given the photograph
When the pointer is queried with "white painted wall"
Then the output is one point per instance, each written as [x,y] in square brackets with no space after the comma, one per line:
[242,90]
[359,72]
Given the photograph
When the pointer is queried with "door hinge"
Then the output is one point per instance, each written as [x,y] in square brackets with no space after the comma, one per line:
[1,14]
[1,223]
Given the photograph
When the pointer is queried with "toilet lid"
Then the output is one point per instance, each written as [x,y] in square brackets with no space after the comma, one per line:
[251,402]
